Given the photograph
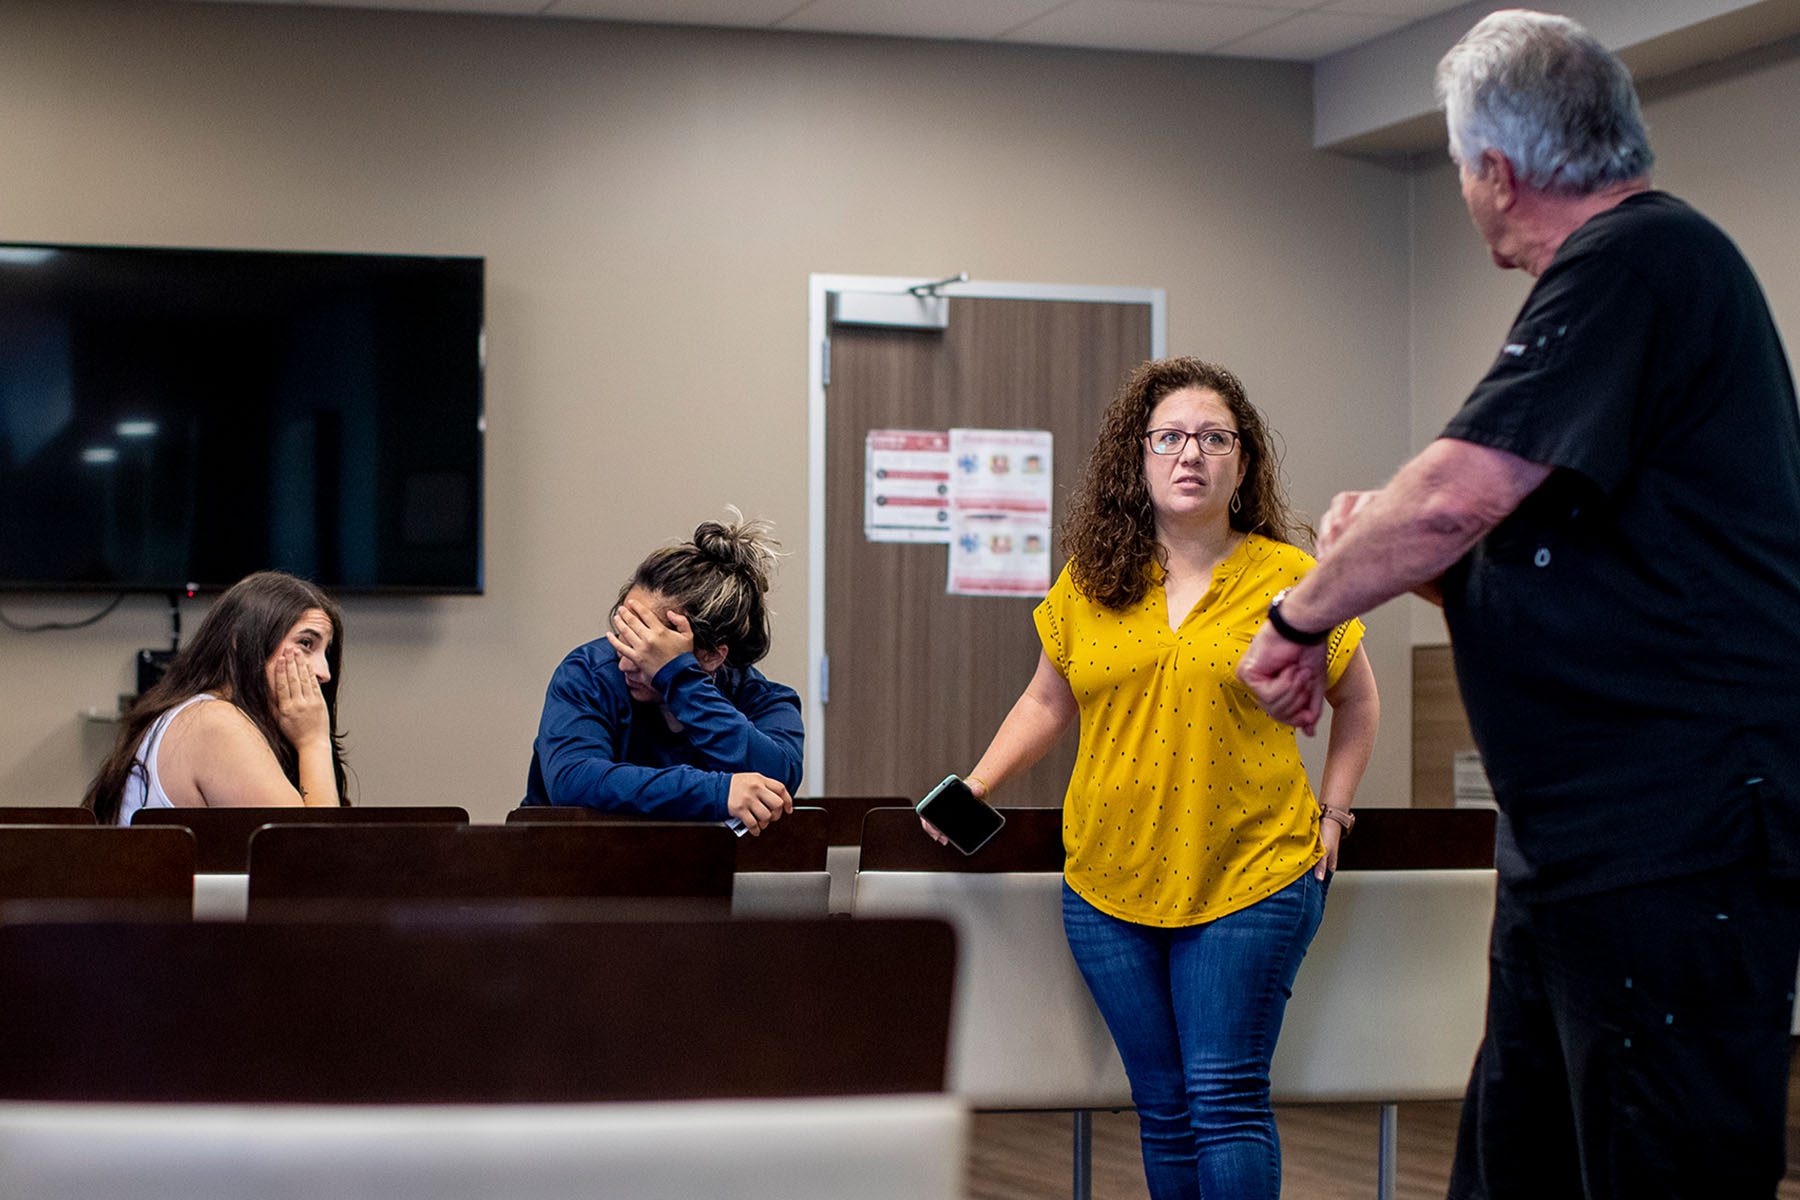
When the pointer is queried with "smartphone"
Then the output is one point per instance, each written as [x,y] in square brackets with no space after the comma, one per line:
[960,815]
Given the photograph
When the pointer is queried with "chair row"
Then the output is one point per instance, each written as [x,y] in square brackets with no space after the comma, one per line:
[344,867]
[223,831]
[1388,1006]
[222,835]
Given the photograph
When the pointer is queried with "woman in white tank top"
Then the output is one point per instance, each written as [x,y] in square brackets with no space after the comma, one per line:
[246,715]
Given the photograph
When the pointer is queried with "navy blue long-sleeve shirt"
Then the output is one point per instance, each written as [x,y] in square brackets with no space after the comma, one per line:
[596,746]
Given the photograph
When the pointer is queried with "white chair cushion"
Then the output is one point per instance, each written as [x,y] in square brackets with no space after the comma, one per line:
[886,1148]
[221,896]
[780,893]
[1391,1000]
[1024,1031]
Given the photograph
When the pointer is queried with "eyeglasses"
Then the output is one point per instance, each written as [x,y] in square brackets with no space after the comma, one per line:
[1215,442]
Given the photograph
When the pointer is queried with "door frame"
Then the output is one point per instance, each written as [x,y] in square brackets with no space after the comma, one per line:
[819,288]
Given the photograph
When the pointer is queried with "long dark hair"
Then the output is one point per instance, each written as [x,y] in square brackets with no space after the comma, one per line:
[228,654]
[1110,534]
[719,581]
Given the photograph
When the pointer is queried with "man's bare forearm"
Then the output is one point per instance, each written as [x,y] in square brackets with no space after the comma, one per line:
[1434,510]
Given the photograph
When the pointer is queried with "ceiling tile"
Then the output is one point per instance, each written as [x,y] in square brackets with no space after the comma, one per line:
[734,13]
[512,7]
[918,18]
[1412,10]
[1311,36]
[1166,25]
[1282,5]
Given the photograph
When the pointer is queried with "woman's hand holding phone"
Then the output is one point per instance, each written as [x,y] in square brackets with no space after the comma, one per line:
[955,815]
[937,835]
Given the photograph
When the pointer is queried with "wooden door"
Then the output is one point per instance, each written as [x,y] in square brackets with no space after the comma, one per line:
[920,680]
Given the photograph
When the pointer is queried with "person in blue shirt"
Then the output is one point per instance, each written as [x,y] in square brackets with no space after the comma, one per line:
[665,714]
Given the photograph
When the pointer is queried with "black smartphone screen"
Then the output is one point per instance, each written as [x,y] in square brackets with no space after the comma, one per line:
[960,815]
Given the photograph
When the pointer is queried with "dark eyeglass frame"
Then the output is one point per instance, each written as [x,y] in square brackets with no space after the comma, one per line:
[1231,436]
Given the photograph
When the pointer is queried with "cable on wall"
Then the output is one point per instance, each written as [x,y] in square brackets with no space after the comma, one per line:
[47,626]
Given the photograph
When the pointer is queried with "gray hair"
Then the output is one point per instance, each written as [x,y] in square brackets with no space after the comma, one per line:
[1548,95]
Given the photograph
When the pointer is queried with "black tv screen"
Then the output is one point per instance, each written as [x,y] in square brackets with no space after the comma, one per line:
[175,419]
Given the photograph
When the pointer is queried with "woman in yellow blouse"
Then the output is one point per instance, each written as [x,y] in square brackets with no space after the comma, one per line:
[1197,855]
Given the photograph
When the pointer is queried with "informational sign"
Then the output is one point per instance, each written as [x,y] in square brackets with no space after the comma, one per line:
[1000,490]
[906,485]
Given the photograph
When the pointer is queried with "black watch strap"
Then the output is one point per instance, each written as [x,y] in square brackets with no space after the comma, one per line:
[1298,636]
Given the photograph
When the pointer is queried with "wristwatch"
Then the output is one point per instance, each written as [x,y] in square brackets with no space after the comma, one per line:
[1298,636]
[1342,816]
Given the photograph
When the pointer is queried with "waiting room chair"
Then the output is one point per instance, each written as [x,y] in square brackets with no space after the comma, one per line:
[844,833]
[643,1060]
[46,814]
[780,872]
[347,869]
[785,871]
[431,1008]
[152,870]
[223,834]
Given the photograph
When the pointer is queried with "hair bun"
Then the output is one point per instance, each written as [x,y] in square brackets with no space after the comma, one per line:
[742,544]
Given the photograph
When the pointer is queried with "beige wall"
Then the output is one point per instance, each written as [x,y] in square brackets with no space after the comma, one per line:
[1724,143]
[650,203]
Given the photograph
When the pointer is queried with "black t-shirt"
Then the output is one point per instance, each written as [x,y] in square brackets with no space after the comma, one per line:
[1628,640]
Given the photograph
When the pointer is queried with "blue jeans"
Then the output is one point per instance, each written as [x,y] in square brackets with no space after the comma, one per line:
[1195,1013]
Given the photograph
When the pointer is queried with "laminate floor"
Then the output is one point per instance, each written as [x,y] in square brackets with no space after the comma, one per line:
[1328,1152]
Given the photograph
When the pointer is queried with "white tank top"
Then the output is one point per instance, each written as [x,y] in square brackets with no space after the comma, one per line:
[143,787]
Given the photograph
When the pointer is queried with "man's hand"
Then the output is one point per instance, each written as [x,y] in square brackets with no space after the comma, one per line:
[1287,679]
[1343,512]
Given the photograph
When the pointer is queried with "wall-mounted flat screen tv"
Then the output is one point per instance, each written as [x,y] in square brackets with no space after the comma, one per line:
[175,419]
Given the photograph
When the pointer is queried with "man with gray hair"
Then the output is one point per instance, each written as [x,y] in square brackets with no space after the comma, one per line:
[1612,524]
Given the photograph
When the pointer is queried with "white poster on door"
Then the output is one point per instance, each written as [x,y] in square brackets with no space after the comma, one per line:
[906,485]
[1000,490]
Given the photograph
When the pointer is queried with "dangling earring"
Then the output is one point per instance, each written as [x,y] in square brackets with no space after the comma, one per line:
[1236,504]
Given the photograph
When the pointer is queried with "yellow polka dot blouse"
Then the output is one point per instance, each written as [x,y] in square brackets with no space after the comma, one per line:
[1187,801]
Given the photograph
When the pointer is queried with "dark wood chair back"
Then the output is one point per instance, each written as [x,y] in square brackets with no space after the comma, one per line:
[1031,840]
[797,842]
[1417,839]
[1385,839]
[845,814]
[223,834]
[150,869]
[46,814]
[569,814]
[800,841]
[474,1010]
[344,869]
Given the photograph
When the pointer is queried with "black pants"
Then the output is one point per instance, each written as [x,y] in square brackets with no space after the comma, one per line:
[1638,1044]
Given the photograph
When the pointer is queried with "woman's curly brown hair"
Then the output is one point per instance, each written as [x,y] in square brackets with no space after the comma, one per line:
[1110,533]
